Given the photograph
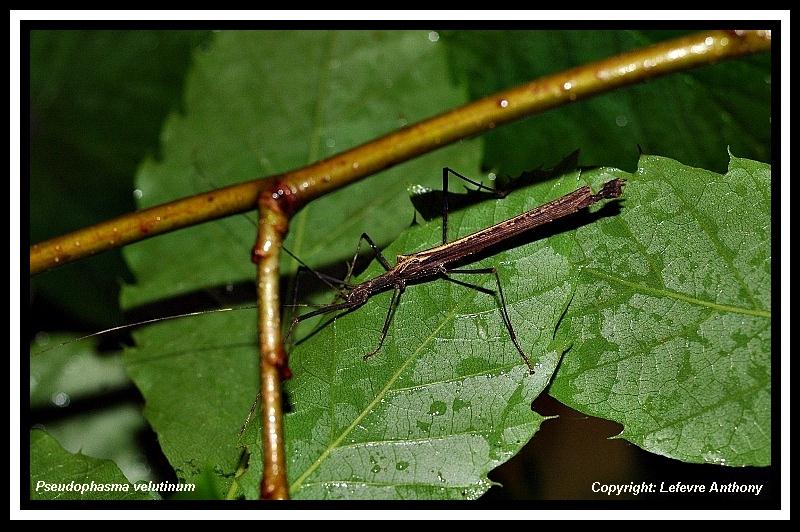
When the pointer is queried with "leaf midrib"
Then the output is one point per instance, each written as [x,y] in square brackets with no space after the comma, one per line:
[678,296]
[380,395]
[314,141]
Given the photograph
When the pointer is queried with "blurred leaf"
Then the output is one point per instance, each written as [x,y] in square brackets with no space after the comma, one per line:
[98,99]
[82,398]
[75,370]
[671,322]
[51,465]
[252,109]
[686,116]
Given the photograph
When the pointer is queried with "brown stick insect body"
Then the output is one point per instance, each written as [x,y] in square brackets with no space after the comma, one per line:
[436,262]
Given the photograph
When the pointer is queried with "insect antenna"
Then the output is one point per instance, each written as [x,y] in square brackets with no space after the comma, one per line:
[140,323]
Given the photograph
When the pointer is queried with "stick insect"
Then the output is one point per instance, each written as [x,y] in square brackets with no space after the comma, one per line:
[426,265]
[438,262]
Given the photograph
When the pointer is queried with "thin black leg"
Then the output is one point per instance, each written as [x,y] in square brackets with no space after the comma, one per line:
[323,310]
[375,250]
[296,288]
[504,310]
[250,413]
[445,192]
[398,291]
[329,280]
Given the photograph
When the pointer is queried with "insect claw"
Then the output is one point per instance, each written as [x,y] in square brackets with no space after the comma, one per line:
[531,371]
[371,353]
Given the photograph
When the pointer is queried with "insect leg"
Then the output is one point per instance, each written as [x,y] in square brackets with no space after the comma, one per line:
[398,291]
[323,310]
[250,414]
[329,280]
[503,308]
[445,192]
[294,305]
[375,250]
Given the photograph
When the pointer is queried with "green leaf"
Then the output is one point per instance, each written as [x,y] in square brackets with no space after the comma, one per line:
[97,101]
[252,109]
[686,116]
[55,472]
[75,370]
[671,321]
[448,397]
[63,375]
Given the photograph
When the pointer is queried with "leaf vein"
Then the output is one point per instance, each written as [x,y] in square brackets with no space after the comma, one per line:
[659,292]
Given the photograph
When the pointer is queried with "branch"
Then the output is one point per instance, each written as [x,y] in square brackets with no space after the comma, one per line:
[294,189]
[272,226]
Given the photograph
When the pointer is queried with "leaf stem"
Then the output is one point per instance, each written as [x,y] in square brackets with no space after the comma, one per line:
[294,189]
[272,226]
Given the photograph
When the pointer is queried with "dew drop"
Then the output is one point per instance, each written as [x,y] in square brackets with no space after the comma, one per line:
[483,329]
[503,103]
[60,399]
[331,143]
[376,468]
[42,338]
[433,36]
[567,86]
[401,466]
[437,408]
[137,194]
[492,176]
[621,120]
[355,165]
[709,41]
